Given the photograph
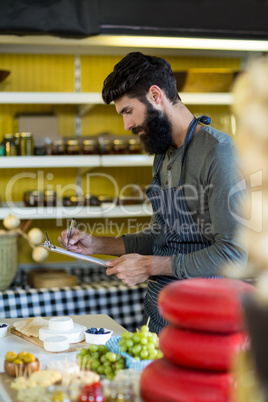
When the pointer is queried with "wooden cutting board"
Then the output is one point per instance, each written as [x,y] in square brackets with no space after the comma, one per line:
[6,380]
[74,347]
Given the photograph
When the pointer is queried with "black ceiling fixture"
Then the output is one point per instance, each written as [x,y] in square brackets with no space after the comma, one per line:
[231,19]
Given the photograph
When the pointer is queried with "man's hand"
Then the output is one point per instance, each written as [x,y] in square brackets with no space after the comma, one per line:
[135,268]
[80,242]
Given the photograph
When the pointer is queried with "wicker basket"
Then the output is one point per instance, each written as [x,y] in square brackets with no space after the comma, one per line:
[8,259]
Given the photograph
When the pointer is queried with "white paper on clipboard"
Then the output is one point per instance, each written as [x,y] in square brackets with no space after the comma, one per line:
[63,251]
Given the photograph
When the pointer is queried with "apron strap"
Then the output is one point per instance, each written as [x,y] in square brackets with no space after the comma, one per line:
[189,136]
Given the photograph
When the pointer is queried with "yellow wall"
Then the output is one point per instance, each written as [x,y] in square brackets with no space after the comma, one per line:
[55,73]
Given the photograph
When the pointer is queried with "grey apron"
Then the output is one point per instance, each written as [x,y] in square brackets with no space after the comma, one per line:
[179,234]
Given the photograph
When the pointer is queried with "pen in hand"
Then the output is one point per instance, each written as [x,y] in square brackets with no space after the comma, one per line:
[70,233]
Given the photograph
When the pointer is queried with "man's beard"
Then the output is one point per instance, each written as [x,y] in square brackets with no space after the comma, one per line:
[157,131]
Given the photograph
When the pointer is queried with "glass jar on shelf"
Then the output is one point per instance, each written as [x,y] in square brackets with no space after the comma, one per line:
[58,147]
[2,149]
[73,201]
[33,198]
[17,142]
[26,144]
[134,146]
[73,147]
[90,146]
[48,146]
[50,198]
[105,146]
[119,146]
[40,150]
[10,145]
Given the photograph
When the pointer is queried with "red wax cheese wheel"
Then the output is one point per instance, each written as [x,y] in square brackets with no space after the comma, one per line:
[163,381]
[212,305]
[201,350]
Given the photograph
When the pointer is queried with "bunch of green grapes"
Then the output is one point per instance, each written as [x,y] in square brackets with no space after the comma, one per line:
[141,345]
[99,359]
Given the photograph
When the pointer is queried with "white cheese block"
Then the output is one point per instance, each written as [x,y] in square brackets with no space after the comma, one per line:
[60,323]
[74,335]
[56,343]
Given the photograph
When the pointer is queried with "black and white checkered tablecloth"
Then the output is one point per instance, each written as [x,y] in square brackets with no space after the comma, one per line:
[95,294]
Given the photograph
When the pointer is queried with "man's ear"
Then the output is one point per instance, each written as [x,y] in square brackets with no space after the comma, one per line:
[155,94]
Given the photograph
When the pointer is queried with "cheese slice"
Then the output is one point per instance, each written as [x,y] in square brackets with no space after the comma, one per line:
[56,343]
[19,325]
[32,329]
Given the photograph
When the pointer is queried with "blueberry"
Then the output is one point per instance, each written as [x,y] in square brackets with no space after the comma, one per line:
[101,331]
[94,330]
[3,325]
[107,332]
[88,331]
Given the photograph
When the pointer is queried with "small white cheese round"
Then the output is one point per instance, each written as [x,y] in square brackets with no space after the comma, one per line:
[60,323]
[56,343]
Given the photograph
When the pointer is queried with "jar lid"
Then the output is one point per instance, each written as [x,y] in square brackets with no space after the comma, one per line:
[134,141]
[106,198]
[105,140]
[89,142]
[49,192]
[72,142]
[58,142]
[34,193]
[75,198]
[26,134]
[119,142]
[8,136]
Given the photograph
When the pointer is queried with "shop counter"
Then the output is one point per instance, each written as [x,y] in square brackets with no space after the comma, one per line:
[13,342]
[95,293]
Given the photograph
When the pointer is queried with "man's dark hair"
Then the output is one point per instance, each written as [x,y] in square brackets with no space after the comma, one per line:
[134,75]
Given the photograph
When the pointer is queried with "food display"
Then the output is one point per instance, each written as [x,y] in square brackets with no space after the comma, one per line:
[42,378]
[94,371]
[62,327]
[31,326]
[22,364]
[99,359]
[3,330]
[56,343]
[98,336]
[142,345]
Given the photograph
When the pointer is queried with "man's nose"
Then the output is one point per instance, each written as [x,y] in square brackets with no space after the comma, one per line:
[128,124]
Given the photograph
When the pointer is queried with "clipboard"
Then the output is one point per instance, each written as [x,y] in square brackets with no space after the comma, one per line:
[83,257]
[50,247]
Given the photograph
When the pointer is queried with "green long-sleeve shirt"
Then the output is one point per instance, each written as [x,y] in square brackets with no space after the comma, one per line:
[213,188]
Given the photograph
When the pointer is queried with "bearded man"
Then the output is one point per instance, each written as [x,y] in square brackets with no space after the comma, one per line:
[194,193]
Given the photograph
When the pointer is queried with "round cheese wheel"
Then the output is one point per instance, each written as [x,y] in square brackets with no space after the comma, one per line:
[201,350]
[74,335]
[60,323]
[164,381]
[56,343]
[201,304]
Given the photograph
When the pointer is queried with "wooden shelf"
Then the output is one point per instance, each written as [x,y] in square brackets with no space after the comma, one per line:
[85,100]
[60,212]
[74,161]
